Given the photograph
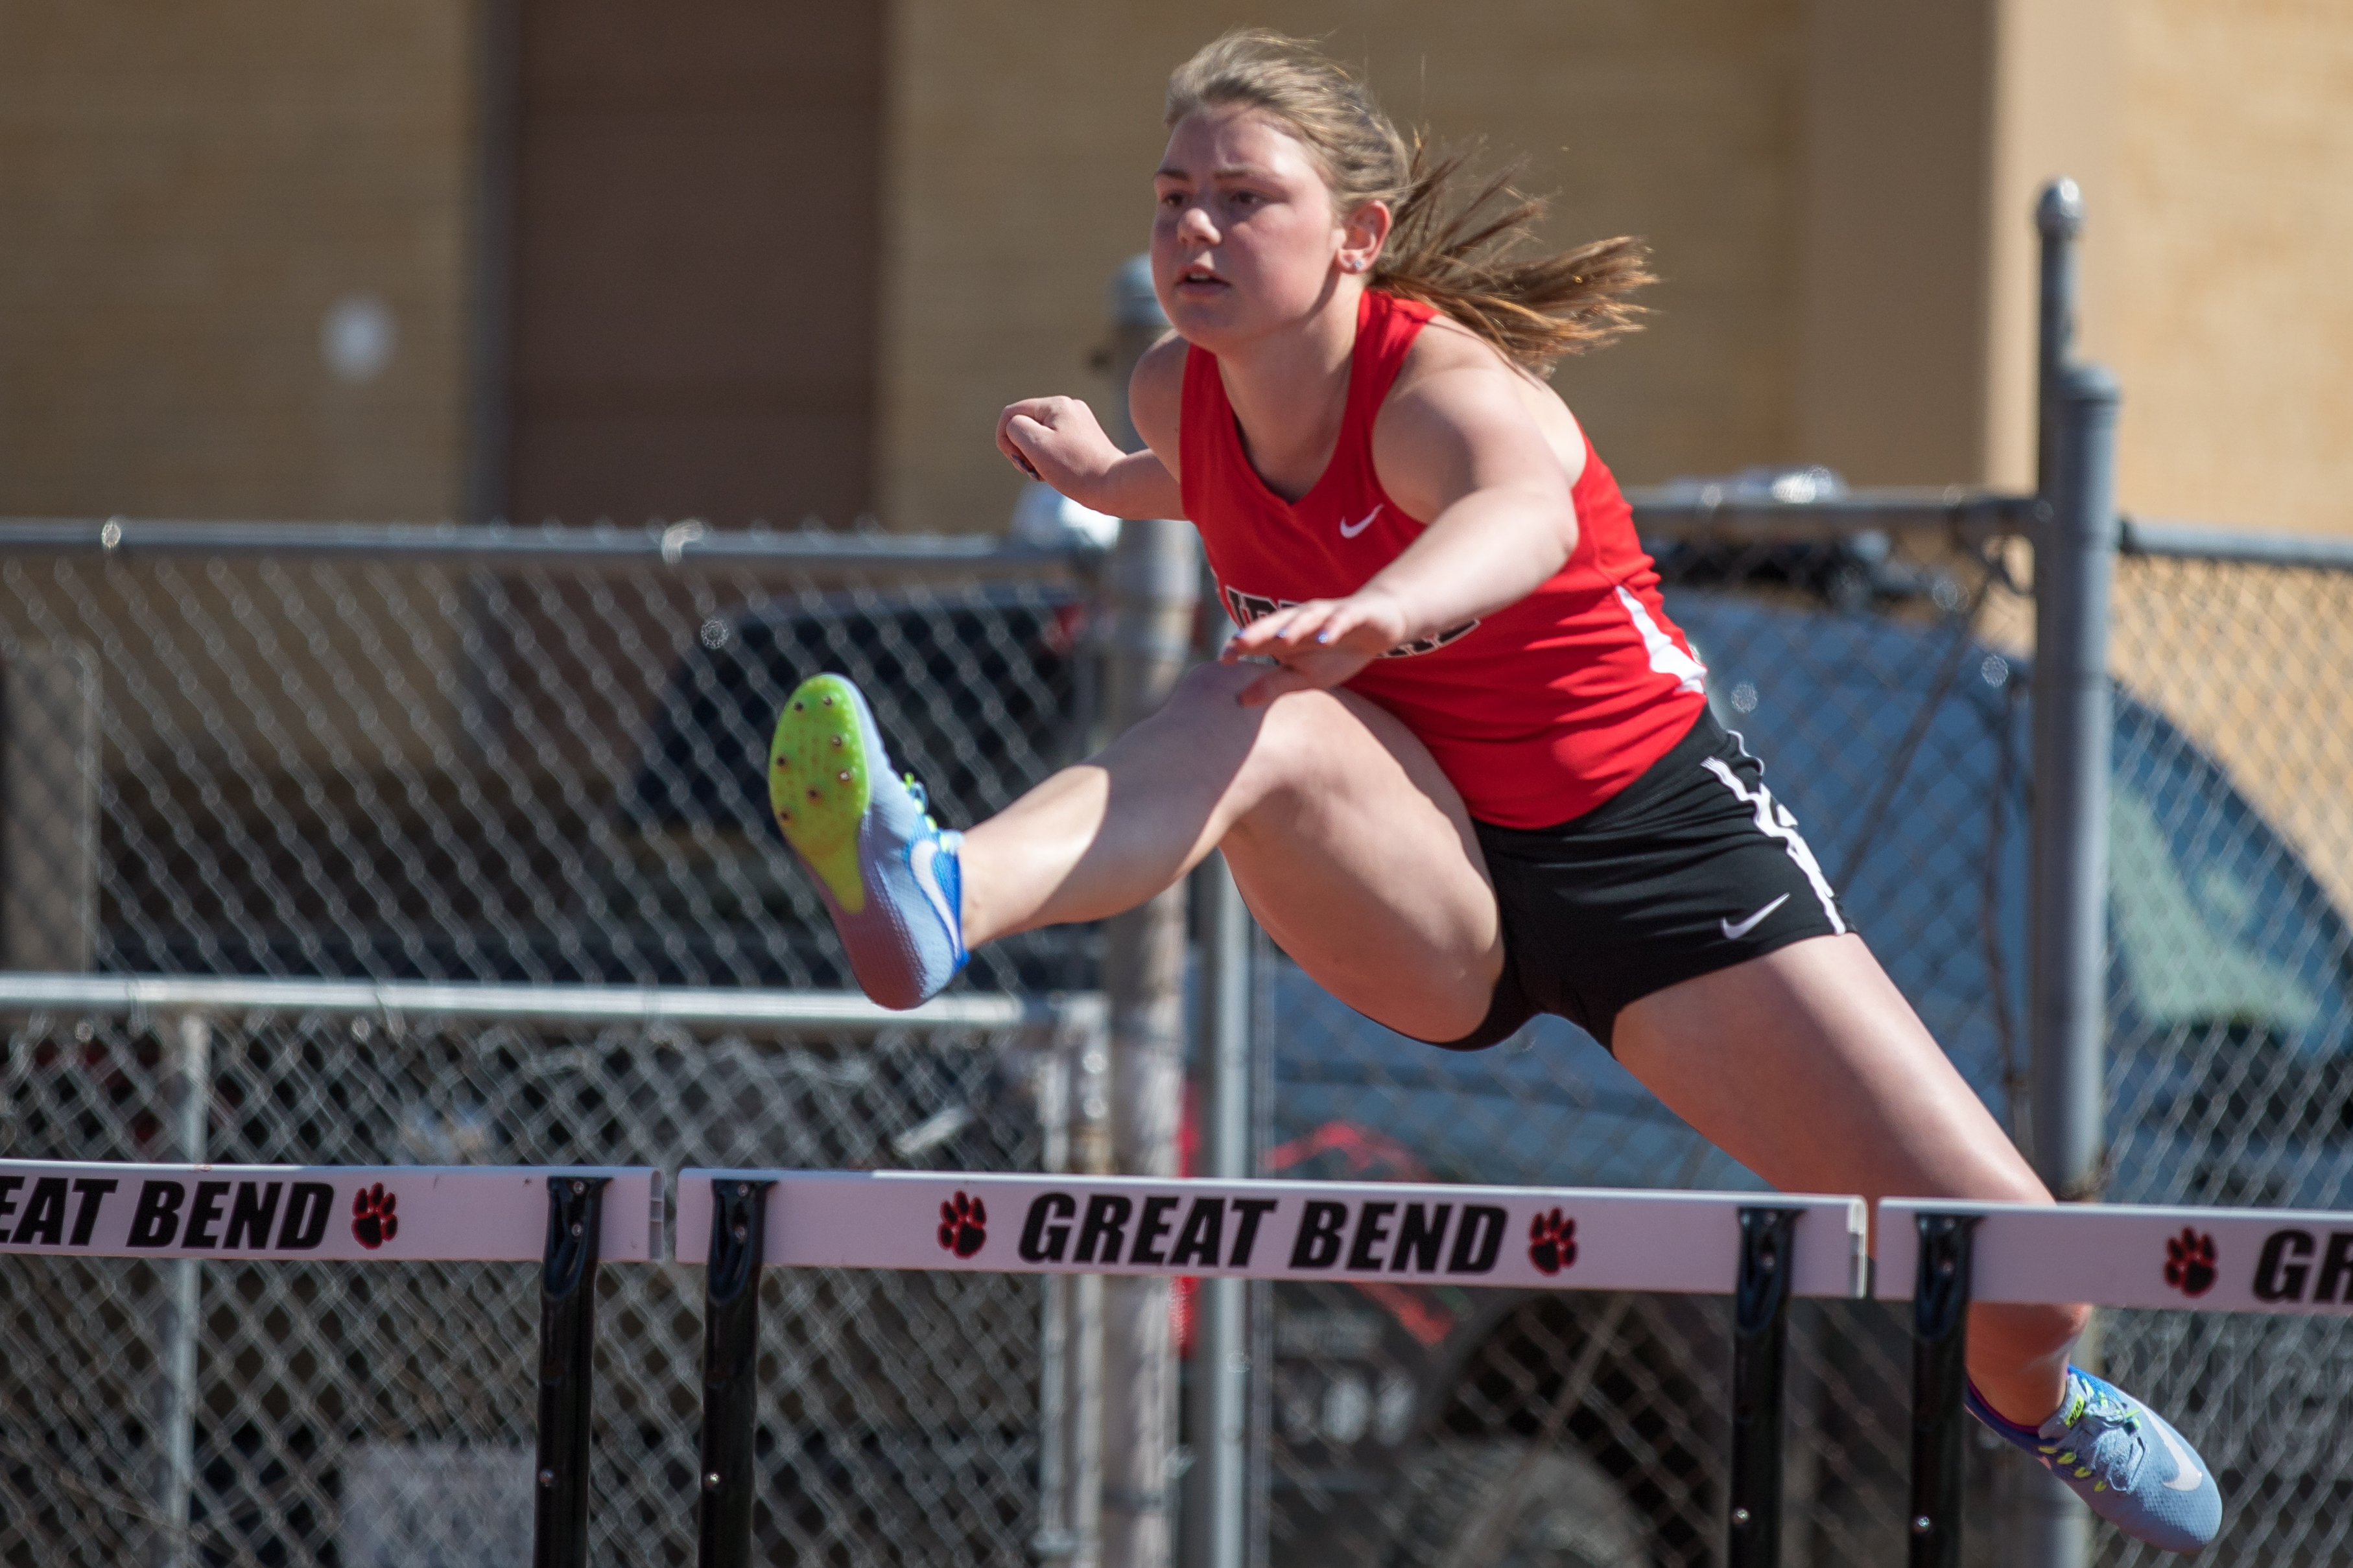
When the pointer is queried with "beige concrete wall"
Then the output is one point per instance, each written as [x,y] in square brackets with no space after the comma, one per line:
[1838,196]
[2054,87]
[1893,292]
[186,187]
[2214,146]
[1021,140]
[2226,309]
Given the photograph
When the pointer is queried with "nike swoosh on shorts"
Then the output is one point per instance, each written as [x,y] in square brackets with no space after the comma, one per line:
[1734,933]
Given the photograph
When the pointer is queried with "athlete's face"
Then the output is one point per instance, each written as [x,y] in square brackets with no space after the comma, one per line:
[1245,239]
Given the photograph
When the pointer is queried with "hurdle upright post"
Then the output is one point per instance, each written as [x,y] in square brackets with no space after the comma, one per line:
[1760,1344]
[567,1344]
[1940,1321]
[731,1361]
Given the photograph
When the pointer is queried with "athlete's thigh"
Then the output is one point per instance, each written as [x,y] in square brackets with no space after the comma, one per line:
[1810,1067]
[1363,867]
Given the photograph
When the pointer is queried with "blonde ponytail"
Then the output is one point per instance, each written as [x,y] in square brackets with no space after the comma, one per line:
[1466,257]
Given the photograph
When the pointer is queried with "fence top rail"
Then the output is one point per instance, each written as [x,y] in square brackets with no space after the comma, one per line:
[2208,542]
[1709,511]
[2135,1254]
[684,1006]
[1656,510]
[1552,1238]
[1970,515]
[502,544]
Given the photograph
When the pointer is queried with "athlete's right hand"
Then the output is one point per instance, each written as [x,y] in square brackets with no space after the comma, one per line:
[1317,645]
[1057,439]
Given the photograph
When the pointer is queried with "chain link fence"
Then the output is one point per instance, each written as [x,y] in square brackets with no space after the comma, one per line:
[1885,682]
[395,763]
[2231,1076]
[379,1415]
[487,757]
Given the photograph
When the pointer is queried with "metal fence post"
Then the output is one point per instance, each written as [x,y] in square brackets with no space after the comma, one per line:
[2075,564]
[2059,218]
[1154,573]
[1073,1113]
[180,1324]
[2073,724]
[567,1364]
[1222,1363]
[1054,1542]
[1090,1151]
[2041,1523]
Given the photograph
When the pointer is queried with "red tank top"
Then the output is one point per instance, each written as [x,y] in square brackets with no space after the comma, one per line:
[1538,713]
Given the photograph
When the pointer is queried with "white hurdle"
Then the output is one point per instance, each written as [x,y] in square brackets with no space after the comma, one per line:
[569,1221]
[1940,1255]
[2130,1255]
[1749,1245]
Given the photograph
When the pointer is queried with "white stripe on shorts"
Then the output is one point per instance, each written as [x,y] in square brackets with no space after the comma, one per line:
[1774,821]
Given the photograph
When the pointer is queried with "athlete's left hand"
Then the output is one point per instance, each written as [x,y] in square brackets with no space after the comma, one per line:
[1317,645]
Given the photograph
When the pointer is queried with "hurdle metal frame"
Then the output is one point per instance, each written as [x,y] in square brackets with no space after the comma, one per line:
[865,1219]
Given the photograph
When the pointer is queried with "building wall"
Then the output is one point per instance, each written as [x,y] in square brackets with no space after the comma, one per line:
[2223,303]
[1021,140]
[2055,91]
[1839,207]
[1892,287]
[187,189]
[694,218]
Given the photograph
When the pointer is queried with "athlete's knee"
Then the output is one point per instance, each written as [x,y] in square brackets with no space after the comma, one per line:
[2067,1324]
[1279,754]
[2022,1332]
[1210,689]
[1282,734]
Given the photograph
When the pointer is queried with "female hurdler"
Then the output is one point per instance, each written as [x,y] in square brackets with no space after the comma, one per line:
[1458,759]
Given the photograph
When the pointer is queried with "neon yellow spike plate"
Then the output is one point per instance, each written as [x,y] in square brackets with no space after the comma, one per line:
[817,785]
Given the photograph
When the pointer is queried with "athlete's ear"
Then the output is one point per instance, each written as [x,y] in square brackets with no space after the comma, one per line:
[1362,237]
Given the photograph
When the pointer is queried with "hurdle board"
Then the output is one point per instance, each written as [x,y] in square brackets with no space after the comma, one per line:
[280,1214]
[2128,1255]
[1531,1238]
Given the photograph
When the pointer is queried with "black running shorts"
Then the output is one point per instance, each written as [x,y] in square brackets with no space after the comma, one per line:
[1691,868]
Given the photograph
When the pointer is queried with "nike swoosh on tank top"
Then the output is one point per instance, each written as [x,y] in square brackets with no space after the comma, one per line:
[1538,713]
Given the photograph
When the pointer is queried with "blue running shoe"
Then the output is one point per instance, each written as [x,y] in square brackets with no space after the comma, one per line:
[887,873]
[2122,1458]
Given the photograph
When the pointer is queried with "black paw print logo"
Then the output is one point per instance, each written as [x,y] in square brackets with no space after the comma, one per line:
[1552,1241]
[372,1221]
[964,1226]
[2189,1262]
